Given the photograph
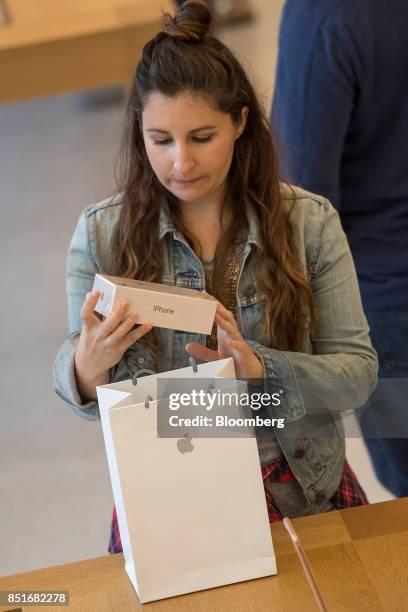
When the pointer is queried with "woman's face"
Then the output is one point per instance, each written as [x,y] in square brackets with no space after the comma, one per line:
[189,145]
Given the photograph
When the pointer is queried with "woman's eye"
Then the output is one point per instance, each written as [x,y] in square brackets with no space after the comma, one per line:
[166,141]
[202,138]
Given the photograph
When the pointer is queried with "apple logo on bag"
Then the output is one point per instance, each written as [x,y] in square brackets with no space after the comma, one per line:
[184,445]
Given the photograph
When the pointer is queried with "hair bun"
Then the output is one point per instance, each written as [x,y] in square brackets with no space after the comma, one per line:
[192,22]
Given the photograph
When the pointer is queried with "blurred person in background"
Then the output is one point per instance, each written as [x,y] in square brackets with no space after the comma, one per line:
[340,112]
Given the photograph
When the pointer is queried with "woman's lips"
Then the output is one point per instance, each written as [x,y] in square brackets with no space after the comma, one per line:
[186,181]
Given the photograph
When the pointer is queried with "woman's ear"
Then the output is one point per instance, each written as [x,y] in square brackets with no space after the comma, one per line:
[241,126]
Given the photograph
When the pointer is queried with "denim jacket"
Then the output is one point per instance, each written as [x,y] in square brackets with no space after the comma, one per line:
[335,372]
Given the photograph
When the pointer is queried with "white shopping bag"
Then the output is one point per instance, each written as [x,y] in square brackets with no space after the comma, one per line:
[188,520]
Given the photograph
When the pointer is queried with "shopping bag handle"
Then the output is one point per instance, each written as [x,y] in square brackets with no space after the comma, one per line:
[145,372]
[193,364]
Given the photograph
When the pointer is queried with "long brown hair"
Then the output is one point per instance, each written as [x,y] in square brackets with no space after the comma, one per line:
[185,57]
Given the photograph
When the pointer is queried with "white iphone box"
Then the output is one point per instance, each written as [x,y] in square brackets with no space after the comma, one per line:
[161,305]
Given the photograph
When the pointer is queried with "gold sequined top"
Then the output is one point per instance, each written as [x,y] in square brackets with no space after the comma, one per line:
[230,288]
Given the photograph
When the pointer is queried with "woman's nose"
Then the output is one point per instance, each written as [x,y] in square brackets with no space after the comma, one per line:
[183,162]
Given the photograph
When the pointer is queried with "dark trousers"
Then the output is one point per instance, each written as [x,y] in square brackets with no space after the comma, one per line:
[384,420]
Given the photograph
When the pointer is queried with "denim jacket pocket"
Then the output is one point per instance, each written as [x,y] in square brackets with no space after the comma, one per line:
[189,279]
[137,358]
[252,310]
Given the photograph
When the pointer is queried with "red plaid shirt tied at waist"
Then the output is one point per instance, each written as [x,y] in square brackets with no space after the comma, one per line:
[349,493]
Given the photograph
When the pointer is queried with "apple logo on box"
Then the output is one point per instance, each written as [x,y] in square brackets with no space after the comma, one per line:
[184,445]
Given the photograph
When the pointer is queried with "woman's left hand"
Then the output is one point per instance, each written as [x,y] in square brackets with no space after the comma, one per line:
[230,344]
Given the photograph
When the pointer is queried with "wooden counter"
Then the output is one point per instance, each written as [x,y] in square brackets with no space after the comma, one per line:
[54,46]
[359,558]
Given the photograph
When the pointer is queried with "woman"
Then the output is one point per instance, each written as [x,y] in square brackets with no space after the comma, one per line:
[200,205]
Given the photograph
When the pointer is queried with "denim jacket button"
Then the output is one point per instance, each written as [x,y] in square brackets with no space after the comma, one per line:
[249,291]
[140,360]
[299,453]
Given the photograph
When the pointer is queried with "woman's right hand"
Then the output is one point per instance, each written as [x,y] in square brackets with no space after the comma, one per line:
[103,343]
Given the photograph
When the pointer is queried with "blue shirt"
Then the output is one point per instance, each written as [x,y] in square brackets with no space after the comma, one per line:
[341,115]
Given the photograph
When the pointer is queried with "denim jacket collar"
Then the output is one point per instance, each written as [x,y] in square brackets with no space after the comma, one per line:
[166,226]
